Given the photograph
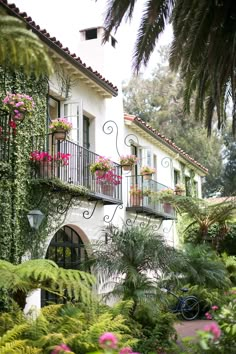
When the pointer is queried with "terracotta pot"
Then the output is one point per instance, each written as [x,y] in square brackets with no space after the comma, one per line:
[167,208]
[147,176]
[179,192]
[136,200]
[127,167]
[45,169]
[60,134]
[99,173]
[107,189]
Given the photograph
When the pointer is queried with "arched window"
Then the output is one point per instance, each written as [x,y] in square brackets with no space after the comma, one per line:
[67,251]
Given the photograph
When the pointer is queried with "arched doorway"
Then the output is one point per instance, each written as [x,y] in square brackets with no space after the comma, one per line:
[67,250]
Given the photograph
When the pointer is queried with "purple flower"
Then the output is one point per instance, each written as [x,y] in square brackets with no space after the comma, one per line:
[108,341]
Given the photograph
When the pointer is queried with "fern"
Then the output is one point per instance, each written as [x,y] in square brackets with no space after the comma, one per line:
[45,274]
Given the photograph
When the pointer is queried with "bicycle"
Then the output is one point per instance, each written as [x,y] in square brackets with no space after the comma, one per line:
[187,306]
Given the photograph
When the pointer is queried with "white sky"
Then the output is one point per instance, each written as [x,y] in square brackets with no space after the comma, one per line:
[64,20]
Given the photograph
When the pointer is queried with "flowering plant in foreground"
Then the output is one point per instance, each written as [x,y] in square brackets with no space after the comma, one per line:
[60,124]
[110,178]
[101,164]
[18,104]
[61,349]
[109,343]
[128,160]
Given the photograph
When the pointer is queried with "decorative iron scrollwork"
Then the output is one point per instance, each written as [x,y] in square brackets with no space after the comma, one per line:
[129,222]
[143,224]
[131,139]
[167,162]
[108,129]
[62,209]
[86,212]
[106,217]
[167,230]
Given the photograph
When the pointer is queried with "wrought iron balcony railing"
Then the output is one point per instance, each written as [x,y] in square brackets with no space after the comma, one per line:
[142,197]
[70,163]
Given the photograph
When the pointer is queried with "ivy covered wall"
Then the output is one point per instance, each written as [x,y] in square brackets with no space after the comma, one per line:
[15,148]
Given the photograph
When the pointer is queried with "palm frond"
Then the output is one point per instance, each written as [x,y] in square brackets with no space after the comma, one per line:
[21,48]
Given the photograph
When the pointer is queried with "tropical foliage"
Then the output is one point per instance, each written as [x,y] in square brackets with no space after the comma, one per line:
[21,279]
[21,48]
[202,50]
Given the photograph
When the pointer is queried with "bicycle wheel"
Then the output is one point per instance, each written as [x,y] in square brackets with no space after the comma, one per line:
[190,308]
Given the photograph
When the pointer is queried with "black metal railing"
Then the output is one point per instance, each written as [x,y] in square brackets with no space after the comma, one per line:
[142,195]
[70,163]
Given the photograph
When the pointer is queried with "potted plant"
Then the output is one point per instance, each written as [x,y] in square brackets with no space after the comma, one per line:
[179,189]
[60,127]
[165,195]
[127,162]
[43,162]
[101,166]
[108,181]
[18,105]
[147,192]
[146,172]
[61,159]
[135,196]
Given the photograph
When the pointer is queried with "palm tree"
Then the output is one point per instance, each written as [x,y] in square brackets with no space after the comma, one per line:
[203,48]
[23,278]
[21,48]
[133,260]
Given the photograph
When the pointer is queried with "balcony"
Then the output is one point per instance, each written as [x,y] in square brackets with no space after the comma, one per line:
[74,170]
[141,198]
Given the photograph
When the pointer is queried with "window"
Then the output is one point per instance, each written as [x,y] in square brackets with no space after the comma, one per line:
[195,189]
[176,177]
[91,34]
[67,251]
[53,108]
[188,186]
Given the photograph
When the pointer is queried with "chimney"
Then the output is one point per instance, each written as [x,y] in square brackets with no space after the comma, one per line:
[102,57]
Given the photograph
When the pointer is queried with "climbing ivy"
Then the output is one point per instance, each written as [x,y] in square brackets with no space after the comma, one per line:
[18,192]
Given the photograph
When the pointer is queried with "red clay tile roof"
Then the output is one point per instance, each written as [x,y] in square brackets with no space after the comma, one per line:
[56,44]
[163,139]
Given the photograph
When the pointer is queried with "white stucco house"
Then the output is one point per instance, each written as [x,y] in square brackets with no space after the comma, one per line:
[85,88]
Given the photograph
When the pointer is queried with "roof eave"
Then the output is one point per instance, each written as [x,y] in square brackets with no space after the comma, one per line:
[51,44]
[169,146]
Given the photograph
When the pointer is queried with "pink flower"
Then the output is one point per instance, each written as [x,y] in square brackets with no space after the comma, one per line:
[208,316]
[108,340]
[214,329]
[214,307]
[59,348]
[126,350]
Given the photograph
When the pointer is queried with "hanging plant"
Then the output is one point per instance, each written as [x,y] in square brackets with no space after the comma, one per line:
[18,105]
[60,127]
